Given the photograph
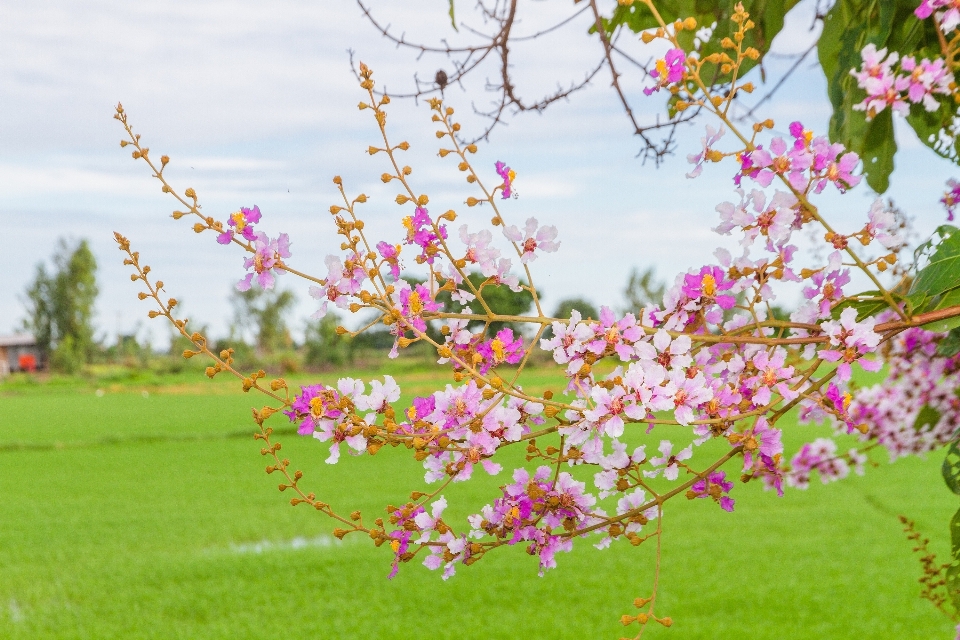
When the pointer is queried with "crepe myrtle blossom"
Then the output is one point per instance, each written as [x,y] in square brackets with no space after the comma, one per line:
[504,347]
[414,302]
[838,403]
[821,456]
[949,19]
[267,259]
[343,281]
[422,232]
[833,164]
[951,198]
[504,277]
[708,152]
[713,486]
[667,462]
[791,162]
[531,508]
[775,220]
[854,339]
[479,251]
[323,412]
[242,222]
[926,78]
[532,238]
[827,285]
[668,70]
[508,175]
[877,78]
[381,395]
[405,520]
[391,255]
[706,286]
[881,226]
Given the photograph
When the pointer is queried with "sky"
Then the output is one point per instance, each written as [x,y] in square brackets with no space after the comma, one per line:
[255,103]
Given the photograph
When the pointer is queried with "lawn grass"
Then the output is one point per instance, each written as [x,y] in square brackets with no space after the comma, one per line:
[110,532]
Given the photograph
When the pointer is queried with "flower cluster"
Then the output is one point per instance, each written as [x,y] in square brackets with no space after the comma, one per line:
[948,18]
[537,510]
[888,84]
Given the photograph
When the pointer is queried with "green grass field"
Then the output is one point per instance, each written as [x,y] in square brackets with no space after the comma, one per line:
[132,515]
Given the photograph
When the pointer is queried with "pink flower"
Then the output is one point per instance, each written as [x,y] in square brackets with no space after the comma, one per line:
[391,255]
[422,232]
[414,302]
[713,135]
[479,251]
[707,285]
[502,348]
[508,176]
[668,70]
[951,198]
[713,486]
[854,338]
[267,258]
[242,222]
[667,462]
[533,238]
[949,19]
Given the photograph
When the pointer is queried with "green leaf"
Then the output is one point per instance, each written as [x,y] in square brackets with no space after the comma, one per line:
[943,233]
[871,305]
[953,571]
[928,418]
[453,20]
[938,276]
[950,345]
[949,299]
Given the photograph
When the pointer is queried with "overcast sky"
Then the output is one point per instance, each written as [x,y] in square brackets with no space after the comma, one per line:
[255,104]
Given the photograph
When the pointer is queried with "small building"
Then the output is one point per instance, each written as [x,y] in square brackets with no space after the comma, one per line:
[18,353]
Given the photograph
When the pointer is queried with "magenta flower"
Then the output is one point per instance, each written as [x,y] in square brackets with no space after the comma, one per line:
[422,232]
[951,198]
[508,176]
[242,222]
[713,486]
[949,19]
[668,70]
[414,302]
[391,255]
[267,258]
[707,286]
[533,238]
[503,348]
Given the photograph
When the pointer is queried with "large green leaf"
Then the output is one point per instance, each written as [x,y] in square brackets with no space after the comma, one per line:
[953,571]
[951,469]
[949,346]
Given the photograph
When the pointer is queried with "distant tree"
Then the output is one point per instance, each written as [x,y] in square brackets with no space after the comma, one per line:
[60,306]
[263,314]
[643,289]
[324,346]
[567,305]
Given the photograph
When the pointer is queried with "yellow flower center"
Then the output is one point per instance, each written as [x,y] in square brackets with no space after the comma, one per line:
[497,347]
[416,305]
[239,221]
[709,285]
